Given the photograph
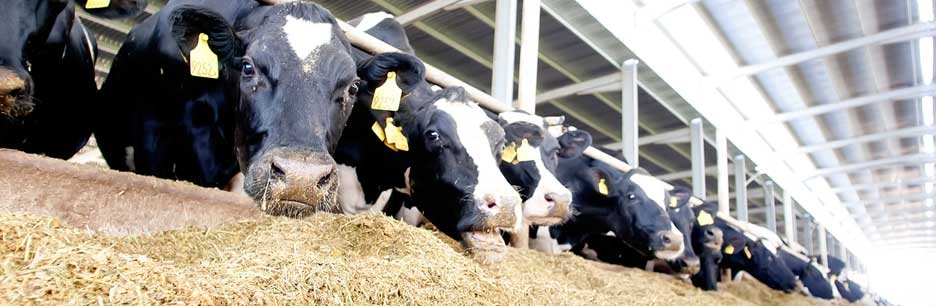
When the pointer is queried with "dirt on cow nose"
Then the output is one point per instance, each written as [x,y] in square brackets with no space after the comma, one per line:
[294,182]
[14,96]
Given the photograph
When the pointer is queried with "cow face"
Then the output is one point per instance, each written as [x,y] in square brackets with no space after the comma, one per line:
[455,179]
[707,240]
[605,196]
[296,84]
[684,219]
[25,32]
[741,253]
[545,200]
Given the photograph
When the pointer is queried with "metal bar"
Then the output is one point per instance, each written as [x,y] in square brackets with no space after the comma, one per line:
[721,159]
[659,8]
[897,209]
[741,207]
[886,96]
[668,137]
[685,174]
[697,144]
[894,35]
[808,236]
[911,197]
[789,218]
[771,206]
[423,10]
[529,59]
[907,159]
[823,247]
[580,87]
[505,42]
[894,184]
[629,112]
[901,133]
[464,3]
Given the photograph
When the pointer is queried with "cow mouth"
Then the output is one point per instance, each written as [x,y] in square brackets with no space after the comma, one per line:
[547,220]
[287,204]
[15,105]
[485,247]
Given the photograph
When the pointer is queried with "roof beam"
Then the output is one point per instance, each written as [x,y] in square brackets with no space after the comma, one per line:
[659,8]
[668,137]
[424,10]
[901,133]
[893,211]
[580,88]
[673,176]
[912,197]
[884,96]
[900,34]
[906,159]
[881,185]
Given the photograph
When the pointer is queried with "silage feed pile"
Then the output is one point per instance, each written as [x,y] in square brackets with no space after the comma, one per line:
[325,259]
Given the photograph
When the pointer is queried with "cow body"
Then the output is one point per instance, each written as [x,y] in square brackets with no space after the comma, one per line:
[808,273]
[285,86]
[47,88]
[741,252]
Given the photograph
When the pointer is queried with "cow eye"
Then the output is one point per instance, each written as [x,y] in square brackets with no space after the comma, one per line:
[247,68]
[353,90]
[631,196]
[433,136]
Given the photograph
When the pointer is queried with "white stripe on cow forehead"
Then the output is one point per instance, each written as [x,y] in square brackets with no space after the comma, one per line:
[655,189]
[469,125]
[371,20]
[305,36]
[770,239]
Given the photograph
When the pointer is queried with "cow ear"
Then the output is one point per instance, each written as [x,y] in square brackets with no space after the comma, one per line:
[601,181]
[189,21]
[519,131]
[113,9]
[679,197]
[410,71]
[574,143]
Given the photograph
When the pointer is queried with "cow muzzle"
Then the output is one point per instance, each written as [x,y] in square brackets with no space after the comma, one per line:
[714,238]
[15,95]
[667,245]
[293,182]
[551,209]
[689,264]
[497,212]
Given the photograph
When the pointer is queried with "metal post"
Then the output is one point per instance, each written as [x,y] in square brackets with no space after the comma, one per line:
[740,189]
[771,207]
[721,157]
[697,143]
[789,217]
[843,253]
[823,247]
[808,236]
[505,42]
[629,112]
[529,59]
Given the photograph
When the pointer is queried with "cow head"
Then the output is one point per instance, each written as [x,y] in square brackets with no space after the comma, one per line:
[741,253]
[684,219]
[707,241]
[296,83]
[545,200]
[454,176]
[26,33]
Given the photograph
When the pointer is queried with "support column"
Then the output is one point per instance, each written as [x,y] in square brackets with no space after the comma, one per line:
[529,56]
[741,207]
[843,254]
[505,42]
[721,157]
[629,111]
[789,217]
[823,247]
[771,206]
[697,143]
[808,236]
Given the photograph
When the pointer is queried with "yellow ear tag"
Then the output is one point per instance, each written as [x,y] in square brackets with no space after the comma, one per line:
[747,252]
[387,96]
[729,249]
[704,218]
[602,186]
[202,62]
[673,202]
[510,153]
[395,138]
[93,4]
[526,152]
[833,277]
[378,131]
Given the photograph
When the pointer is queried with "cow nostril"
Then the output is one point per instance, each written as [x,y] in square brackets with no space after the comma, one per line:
[277,173]
[16,92]
[709,233]
[549,198]
[667,240]
[325,179]
[491,204]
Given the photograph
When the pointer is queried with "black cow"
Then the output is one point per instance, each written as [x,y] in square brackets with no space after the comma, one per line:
[707,240]
[529,162]
[807,272]
[446,170]
[743,253]
[630,205]
[47,88]
[849,290]
[284,89]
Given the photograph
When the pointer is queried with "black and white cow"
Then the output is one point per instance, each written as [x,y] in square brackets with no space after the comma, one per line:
[447,169]
[285,86]
[741,252]
[630,205]
[808,272]
[529,162]
[707,240]
[47,88]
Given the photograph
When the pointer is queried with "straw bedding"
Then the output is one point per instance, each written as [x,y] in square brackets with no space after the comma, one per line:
[324,259]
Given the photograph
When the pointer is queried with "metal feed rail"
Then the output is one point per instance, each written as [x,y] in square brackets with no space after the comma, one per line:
[373,45]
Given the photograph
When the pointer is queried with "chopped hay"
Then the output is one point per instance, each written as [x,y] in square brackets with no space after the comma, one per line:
[751,290]
[323,259]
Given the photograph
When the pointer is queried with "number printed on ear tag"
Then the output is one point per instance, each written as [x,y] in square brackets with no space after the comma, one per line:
[603,186]
[704,218]
[510,153]
[202,62]
[387,96]
[95,4]
[395,138]
[526,152]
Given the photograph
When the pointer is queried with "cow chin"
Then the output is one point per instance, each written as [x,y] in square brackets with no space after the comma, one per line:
[293,182]
[15,99]
[485,247]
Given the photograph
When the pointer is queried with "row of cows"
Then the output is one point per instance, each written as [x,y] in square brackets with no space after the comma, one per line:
[272,100]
